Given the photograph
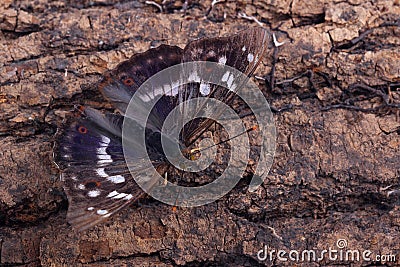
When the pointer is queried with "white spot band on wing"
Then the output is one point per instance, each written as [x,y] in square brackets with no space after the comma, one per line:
[250,57]
[116,179]
[102,212]
[222,60]
[81,187]
[204,88]
[94,193]
[113,193]
[102,154]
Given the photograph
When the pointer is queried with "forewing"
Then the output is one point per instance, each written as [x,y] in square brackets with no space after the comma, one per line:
[119,84]
[243,51]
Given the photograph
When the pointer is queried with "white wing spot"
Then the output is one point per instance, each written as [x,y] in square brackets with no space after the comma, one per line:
[101,172]
[230,82]
[90,208]
[117,179]
[171,89]
[222,60]
[194,77]
[107,159]
[158,91]
[229,78]
[174,91]
[145,98]
[244,48]
[120,195]
[250,57]
[102,154]
[204,88]
[112,194]
[81,187]
[105,140]
[225,76]
[102,212]
[94,193]
[129,196]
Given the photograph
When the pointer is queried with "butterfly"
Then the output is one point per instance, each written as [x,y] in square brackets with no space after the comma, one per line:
[89,151]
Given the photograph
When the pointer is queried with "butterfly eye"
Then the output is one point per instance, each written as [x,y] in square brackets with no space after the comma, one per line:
[128,81]
[82,129]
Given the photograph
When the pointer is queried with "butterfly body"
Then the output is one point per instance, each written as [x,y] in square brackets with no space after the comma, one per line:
[89,149]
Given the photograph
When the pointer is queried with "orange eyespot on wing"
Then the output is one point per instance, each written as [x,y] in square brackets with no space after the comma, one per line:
[82,129]
[128,81]
[92,184]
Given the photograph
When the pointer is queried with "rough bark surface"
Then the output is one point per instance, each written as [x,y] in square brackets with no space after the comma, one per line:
[336,170]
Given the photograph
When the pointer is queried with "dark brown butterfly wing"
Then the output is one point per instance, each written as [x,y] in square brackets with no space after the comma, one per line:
[243,51]
[119,84]
[96,179]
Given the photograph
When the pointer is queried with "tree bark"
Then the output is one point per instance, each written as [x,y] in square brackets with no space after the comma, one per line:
[336,170]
